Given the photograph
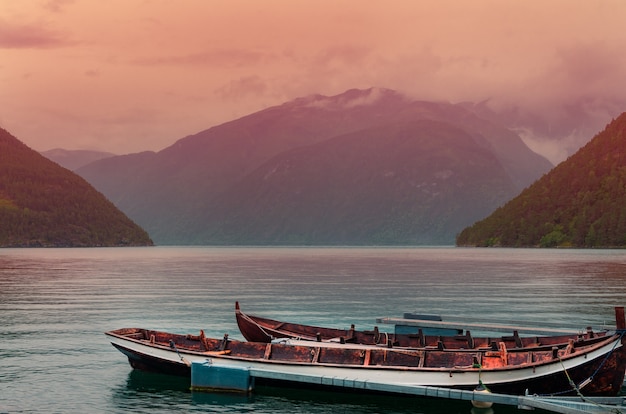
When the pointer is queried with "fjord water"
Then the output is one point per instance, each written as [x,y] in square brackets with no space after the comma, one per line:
[55,305]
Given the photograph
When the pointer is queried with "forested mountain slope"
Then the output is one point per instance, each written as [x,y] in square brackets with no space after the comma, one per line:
[580,203]
[45,205]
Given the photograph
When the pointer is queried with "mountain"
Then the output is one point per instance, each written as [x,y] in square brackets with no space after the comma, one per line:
[580,203]
[74,159]
[199,190]
[398,184]
[45,205]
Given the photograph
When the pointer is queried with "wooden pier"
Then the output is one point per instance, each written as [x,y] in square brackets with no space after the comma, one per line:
[565,405]
[242,379]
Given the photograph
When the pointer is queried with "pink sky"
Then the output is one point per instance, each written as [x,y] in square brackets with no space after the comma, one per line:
[132,75]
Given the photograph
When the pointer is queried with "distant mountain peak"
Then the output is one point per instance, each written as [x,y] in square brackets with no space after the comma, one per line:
[349,99]
[74,159]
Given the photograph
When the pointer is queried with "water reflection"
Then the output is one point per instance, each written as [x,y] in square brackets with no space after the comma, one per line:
[145,392]
[148,382]
[222,398]
[150,392]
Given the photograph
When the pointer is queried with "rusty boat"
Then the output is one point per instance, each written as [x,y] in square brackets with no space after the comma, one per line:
[592,366]
[260,329]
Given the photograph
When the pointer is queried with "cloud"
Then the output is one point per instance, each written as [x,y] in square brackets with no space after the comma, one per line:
[241,88]
[577,93]
[206,65]
[30,36]
[555,150]
[219,57]
[348,55]
[588,63]
[57,6]
[581,71]
[349,100]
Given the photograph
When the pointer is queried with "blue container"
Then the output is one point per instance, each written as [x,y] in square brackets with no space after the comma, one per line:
[206,376]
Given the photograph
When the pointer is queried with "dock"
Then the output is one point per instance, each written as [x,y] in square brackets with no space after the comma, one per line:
[209,377]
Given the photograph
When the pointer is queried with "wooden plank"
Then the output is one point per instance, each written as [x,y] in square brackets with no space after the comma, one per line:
[565,405]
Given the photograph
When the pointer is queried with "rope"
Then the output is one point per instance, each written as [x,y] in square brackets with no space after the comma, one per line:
[257,325]
[609,354]
[480,370]
[183,360]
[590,379]
[571,382]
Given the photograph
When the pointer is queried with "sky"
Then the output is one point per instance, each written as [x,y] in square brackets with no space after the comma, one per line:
[131,75]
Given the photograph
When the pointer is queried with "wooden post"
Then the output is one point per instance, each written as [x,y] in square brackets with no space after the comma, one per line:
[620,322]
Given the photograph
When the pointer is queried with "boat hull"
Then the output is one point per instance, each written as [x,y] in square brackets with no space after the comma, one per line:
[146,361]
[604,363]
[259,329]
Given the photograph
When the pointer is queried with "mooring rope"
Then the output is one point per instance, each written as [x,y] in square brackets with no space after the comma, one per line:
[621,336]
[183,360]
[584,383]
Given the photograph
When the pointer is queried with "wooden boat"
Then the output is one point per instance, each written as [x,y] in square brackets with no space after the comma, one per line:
[593,366]
[260,329]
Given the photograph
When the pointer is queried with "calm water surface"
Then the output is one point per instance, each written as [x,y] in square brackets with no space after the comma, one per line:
[55,305]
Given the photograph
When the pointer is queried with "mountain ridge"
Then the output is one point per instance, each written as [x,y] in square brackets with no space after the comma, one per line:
[343,194]
[74,159]
[173,192]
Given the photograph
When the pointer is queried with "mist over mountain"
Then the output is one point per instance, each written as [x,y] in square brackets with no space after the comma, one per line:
[580,203]
[363,167]
[554,132]
[74,159]
[45,205]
